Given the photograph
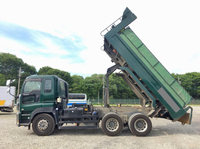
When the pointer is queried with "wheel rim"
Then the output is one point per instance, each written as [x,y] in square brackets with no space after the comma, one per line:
[43,124]
[112,124]
[140,125]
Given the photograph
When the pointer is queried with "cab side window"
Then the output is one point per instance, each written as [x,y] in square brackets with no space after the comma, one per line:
[47,86]
[63,90]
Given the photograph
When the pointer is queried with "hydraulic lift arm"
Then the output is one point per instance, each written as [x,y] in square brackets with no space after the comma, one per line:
[109,72]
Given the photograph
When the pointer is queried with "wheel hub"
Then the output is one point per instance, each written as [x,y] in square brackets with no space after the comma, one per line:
[112,124]
[140,125]
[43,124]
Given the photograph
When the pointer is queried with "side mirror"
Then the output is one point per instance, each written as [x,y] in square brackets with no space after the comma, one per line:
[8,82]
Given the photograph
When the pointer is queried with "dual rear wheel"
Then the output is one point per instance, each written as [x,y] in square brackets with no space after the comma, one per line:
[138,123]
[112,124]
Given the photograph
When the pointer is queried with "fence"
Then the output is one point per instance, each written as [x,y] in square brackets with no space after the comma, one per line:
[116,101]
[131,101]
[195,102]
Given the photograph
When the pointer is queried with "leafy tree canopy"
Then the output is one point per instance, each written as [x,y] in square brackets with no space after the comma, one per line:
[51,71]
[9,68]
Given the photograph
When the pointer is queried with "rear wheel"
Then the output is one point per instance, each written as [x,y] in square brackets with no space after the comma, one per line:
[112,124]
[43,124]
[139,124]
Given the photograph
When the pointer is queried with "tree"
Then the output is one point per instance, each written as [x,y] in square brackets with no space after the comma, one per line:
[91,85]
[77,84]
[44,70]
[51,71]
[2,80]
[9,68]
[191,83]
[119,89]
[9,65]
[193,79]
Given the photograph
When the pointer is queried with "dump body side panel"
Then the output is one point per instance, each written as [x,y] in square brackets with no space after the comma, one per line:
[155,67]
[142,62]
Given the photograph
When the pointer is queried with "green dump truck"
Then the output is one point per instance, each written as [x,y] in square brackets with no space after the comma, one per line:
[43,99]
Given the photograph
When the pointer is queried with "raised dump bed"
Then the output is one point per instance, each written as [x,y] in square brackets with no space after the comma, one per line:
[147,77]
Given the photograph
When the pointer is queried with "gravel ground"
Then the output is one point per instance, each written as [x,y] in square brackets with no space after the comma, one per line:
[164,135]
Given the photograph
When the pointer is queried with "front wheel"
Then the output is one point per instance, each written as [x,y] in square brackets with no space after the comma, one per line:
[112,124]
[139,124]
[43,124]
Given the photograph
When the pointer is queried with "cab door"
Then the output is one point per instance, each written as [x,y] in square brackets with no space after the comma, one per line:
[30,97]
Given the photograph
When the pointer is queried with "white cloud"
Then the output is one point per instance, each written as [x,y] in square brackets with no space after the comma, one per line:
[7,45]
[51,48]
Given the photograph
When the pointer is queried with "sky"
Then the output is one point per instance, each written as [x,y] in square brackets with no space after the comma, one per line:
[65,34]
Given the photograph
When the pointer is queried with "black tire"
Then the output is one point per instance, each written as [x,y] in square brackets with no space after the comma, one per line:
[43,124]
[139,124]
[112,124]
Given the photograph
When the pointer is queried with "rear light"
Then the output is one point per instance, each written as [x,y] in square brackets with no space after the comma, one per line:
[114,51]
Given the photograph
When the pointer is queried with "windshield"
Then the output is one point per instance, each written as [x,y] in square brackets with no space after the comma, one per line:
[32,86]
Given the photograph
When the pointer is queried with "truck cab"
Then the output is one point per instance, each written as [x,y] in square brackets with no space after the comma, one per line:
[43,103]
[40,93]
